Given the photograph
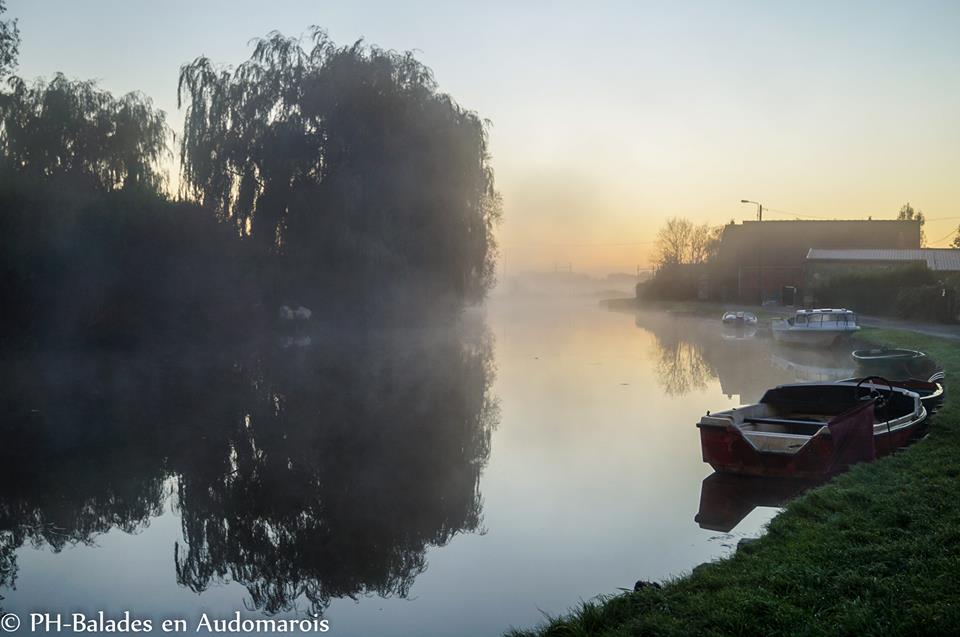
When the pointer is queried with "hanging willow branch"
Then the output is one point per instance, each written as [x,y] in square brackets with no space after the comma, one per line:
[346,158]
[73,128]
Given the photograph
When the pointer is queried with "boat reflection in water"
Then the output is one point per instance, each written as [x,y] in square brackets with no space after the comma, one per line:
[305,474]
[738,332]
[815,365]
[725,499]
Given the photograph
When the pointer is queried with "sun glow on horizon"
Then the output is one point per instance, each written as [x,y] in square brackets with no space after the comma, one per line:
[608,120]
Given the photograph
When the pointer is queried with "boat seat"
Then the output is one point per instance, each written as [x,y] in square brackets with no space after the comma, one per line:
[804,426]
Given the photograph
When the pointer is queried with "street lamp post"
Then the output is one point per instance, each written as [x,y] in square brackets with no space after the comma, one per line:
[759,253]
[759,208]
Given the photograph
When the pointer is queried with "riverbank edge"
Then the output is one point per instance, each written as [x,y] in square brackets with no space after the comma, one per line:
[715,309]
[875,551]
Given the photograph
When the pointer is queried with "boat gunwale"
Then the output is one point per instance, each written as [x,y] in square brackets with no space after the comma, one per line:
[887,427]
[885,355]
[932,396]
[727,418]
[879,428]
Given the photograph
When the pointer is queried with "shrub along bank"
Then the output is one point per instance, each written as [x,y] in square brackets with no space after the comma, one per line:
[907,292]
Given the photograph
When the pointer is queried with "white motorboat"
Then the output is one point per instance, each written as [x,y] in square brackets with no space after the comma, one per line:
[816,328]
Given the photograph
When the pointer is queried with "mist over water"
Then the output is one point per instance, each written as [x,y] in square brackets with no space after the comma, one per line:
[294,327]
[444,480]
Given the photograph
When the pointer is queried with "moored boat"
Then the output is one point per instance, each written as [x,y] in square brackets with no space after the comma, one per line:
[811,430]
[739,319]
[815,328]
[931,392]
[893,363]
[885,355]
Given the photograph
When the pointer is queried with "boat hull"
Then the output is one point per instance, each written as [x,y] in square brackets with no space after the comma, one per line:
[727,451]
[811,430]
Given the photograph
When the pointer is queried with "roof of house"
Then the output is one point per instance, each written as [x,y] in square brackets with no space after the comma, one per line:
[940,259]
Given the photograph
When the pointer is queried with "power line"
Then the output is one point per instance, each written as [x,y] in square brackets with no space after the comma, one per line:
[578,245]
[809,216]
[946,236]
[795,214]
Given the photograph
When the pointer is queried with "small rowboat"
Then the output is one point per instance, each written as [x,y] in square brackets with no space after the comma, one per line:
[811,430]
[739,319]
[894,363]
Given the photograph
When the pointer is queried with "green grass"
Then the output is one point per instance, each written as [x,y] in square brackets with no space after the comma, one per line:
[876,551]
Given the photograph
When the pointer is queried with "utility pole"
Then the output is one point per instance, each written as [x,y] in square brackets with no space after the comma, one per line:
[759,252]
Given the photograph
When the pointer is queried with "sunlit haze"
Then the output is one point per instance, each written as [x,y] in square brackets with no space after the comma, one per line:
[608,118]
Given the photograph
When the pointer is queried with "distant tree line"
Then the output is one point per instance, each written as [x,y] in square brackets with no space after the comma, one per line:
[681,241]
[680,244]
[909,213]
[338,177]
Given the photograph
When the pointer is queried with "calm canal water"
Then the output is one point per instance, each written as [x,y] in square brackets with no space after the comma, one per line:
[455,481]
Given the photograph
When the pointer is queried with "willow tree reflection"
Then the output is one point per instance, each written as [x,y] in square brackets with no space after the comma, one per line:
[692,351]
[682,361]
[76,458]
[8,561]
[310,473]
[349,459]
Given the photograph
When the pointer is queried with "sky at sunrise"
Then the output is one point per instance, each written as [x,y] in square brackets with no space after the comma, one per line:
[607,118]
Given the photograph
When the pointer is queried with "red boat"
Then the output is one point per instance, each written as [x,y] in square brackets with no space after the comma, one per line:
[811,430]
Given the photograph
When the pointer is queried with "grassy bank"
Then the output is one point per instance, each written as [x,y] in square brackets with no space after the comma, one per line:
[874,552]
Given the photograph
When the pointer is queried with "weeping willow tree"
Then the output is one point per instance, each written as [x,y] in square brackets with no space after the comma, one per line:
[73,129]
[9,42]
[92,249]
[344,162]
